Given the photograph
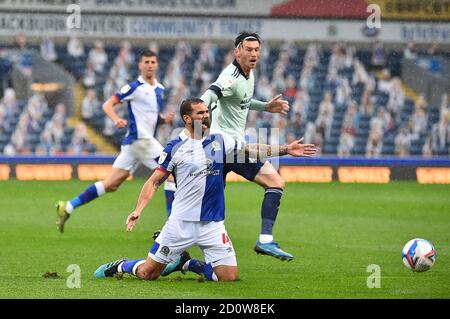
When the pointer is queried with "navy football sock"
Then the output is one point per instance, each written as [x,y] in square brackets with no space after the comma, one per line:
[269,209]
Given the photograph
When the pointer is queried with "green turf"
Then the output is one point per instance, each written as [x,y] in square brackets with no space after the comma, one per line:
[334,230]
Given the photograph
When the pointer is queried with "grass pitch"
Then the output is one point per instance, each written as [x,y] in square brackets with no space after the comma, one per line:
[334,230]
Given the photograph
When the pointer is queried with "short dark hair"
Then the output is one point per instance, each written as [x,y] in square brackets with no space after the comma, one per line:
[186,106]
[246,36]
[146,53]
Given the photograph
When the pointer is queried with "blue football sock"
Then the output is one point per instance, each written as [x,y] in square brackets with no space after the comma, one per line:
[202,268]
[269,209]
[128,266]
[92,192]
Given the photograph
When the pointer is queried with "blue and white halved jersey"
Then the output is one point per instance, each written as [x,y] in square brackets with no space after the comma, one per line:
[197,166]
[145,102]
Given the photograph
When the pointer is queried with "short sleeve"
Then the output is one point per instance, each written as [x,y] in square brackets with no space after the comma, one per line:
[223,85]
[166,160]
[126,92]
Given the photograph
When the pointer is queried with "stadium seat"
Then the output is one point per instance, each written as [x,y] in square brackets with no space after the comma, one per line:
[358,150]
[333,140]
[388,150]
[415,150]
[4,139]
[382,99]
[364,125]
[33,138]
[292,68]
[91,148]
[330,149]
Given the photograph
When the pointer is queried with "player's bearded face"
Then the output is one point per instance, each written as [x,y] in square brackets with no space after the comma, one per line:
[200,124]
[199,119]
[248,54]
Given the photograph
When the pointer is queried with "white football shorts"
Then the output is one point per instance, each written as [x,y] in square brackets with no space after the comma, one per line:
[179,235]
[141,151]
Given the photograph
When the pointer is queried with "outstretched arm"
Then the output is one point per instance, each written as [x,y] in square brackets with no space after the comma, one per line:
[275,105]
[147,192]
[295,148]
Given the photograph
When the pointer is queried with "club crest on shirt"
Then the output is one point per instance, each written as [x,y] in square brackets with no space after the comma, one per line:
[206,171]
[224,83]
[162,158]
[216,146]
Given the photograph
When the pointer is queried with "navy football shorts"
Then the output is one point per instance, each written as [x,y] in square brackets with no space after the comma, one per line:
[246,170]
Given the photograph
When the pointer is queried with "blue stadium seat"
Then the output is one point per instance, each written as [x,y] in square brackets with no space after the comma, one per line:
[91,148]
[409,105]
[4,139]
[433,115]
[333,140]
[335,132]
[388,149]
[364,125]
[415,150]
[365,56]
[382,98]
[330,149]
[359,150]
[33,138]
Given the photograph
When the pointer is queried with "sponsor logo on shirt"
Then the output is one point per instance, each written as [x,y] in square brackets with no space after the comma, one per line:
[125,89]
[208,170]
[245,103]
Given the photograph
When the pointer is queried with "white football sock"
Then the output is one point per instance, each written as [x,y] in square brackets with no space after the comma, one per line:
[186,266]
[135,267]
[69,208]
[100,188]
[264,238]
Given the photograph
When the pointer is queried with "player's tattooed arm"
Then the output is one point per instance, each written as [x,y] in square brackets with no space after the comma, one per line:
[264,150]
[295,148]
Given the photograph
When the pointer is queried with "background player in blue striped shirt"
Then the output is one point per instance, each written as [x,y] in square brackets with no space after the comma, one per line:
[145,104]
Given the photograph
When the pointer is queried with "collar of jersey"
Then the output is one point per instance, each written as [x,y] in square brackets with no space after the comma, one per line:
[184,136]
[236,64]
[141,80]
